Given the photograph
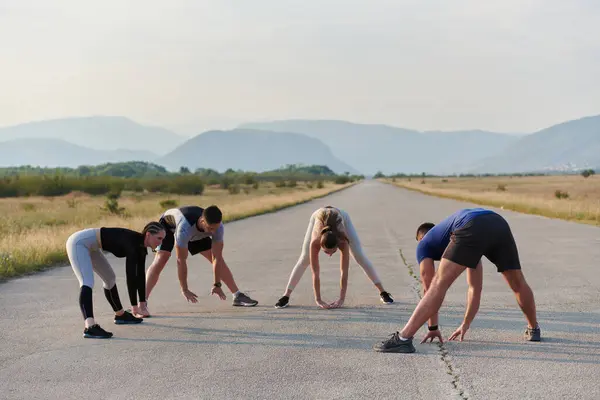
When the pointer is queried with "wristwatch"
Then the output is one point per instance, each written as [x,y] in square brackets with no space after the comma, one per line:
[218,284]
[433,328]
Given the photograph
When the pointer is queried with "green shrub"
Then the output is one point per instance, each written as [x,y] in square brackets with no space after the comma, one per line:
[188,184]
[111,205]
[27,206]
[169,203]
[586,173]
[559,194]
[234,189]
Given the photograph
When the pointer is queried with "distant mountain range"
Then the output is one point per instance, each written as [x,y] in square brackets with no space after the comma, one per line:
[60,153]
[567,146]
[252,150]
[100,133]
[342,146]
[371,148]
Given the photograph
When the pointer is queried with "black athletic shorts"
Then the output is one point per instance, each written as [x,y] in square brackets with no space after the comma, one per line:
[194,247]
[485,235]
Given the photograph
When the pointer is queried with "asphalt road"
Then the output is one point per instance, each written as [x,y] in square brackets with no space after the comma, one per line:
[212,350]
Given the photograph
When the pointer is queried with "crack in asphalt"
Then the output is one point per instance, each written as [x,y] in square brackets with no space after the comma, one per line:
[444,354]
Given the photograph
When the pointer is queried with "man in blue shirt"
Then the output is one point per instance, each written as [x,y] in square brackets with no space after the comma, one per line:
[459,242]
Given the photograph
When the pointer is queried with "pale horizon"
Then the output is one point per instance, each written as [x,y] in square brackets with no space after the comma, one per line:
[515,67]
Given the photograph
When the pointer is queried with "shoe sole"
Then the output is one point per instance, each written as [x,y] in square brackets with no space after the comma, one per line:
[385,302]
[87,336]
[127,322]
[276,306]
[244,304]
[396,350]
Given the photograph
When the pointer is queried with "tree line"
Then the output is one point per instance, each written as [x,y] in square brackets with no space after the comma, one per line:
[147,177]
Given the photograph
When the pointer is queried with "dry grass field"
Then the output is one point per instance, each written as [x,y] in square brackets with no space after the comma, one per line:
[568,197]
[33,231]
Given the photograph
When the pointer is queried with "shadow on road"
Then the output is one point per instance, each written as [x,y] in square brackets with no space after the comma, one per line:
[556,346]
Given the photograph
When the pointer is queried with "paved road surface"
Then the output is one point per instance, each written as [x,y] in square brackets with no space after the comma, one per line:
[213,350]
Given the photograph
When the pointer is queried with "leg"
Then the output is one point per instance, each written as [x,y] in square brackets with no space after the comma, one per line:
[505,255]
[523,293]
[79,255]
[226,274]
[107,274]
[401,342]
[81,262]
[109,281]
[430,304]
[154,270]
[239,298]
[304,259]
[358,253]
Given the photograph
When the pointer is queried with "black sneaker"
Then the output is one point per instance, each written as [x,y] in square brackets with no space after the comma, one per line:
[533,334]
[395,345]
[244,301]
[386,298]
[282,302]
[127,318]
[95,332]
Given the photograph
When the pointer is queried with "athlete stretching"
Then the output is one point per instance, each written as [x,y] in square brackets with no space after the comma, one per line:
[196,230]
[84,249]
[460,241]
[330,228]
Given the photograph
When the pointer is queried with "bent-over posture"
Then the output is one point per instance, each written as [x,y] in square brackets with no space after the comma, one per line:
[463,238]
[84,249]
[194,230]
[329,229]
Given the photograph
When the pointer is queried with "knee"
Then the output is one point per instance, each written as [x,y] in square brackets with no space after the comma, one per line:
[304,260]
[439,284]
[109,281]
[517,285]
[515,280]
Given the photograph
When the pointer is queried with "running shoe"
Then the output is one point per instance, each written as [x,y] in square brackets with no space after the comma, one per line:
[96,332]
[386,298]
[395,345]
[127,318]
[282,302]
[244,301]
[533,334]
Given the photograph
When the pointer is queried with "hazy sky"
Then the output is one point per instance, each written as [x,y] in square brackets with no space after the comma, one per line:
[511,65]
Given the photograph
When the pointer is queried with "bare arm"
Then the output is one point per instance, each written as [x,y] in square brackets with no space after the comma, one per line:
[427,270]
[344,265]
[182,254]
[314,264]
[475,281]
[217,261]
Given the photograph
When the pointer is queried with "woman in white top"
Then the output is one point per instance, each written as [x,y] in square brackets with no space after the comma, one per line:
[330,229]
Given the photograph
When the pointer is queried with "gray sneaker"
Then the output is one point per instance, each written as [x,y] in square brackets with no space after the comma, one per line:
[244,301]
[533,334]
[395,345]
